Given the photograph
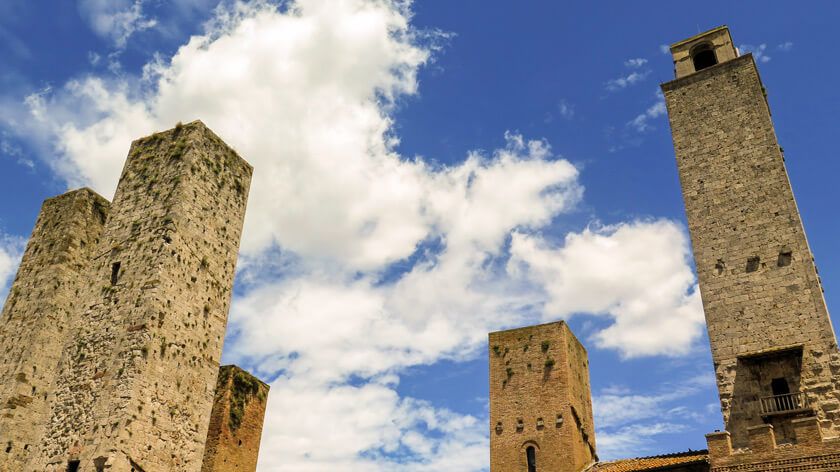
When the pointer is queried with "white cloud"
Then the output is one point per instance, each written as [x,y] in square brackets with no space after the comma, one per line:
[637,274]
[642,121]
[11,250]
[628,422]
[785,46]
[115,20]
[635,63]
[370,428]
[665,49]
[759,52]
[566,109]
[624,82]
[633,440]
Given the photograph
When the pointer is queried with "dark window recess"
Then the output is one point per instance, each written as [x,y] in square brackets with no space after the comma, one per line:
[703,57]
[785,258]
[720,266]
[531,456]
[8,448]
[115,273]
[780,386]
[73,466]
[752,263]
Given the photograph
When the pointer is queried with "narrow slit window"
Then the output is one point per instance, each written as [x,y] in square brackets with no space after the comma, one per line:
[115,273]
[73,466]
[531,457]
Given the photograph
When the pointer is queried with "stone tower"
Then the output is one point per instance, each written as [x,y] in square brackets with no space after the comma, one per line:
[136,379]
[42,305]
[233,440]
[540,407]
[774,350]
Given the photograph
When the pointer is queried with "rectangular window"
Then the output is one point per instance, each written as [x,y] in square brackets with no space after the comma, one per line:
[115,273]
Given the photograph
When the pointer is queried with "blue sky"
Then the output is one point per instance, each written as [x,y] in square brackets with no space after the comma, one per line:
[425,173]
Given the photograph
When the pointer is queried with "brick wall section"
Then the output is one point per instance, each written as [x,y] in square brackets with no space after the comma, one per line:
[38,316]
[536,374]
[137,381]
[233,440]
[758,281]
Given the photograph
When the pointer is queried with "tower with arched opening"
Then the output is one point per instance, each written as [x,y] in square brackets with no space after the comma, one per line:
[540,407]
[774,350]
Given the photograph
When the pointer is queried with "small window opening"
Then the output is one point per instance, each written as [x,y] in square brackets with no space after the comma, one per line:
[115,273]
[752,263]
[531,456]
[73,466]
[703,57]
[8,448]
[720,266]
[785,258]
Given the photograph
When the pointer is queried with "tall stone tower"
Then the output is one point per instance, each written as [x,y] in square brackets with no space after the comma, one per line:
[137,376]
[41,308]
[540,407]
[774,349]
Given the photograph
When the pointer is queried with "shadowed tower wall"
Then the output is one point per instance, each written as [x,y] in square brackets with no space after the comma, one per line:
[539,400]
[40,310]
[233,440]
[768,326]
[137,379]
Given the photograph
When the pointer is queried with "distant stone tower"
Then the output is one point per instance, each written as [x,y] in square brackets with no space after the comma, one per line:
[233,440]
[540,407]
[136,379]
[42,306]
[774,349]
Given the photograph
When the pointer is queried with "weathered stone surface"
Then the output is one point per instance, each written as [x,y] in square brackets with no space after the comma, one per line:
[136,378]
[764,307]
[233,440]
[40,312]
[540,398]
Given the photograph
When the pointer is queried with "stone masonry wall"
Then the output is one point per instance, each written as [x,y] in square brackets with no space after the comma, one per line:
[540,397]
[39,314]
[233,440]
[758,281]
[138,378]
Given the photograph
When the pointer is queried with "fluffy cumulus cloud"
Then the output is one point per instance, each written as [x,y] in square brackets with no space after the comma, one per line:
[358,262]
[635,273]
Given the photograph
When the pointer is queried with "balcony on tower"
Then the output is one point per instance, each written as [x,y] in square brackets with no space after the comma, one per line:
[769,390]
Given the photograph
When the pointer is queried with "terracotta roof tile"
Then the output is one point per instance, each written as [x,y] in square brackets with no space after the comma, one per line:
[640,464]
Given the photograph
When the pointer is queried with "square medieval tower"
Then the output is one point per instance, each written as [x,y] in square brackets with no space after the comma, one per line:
[540,405]
[775,352]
